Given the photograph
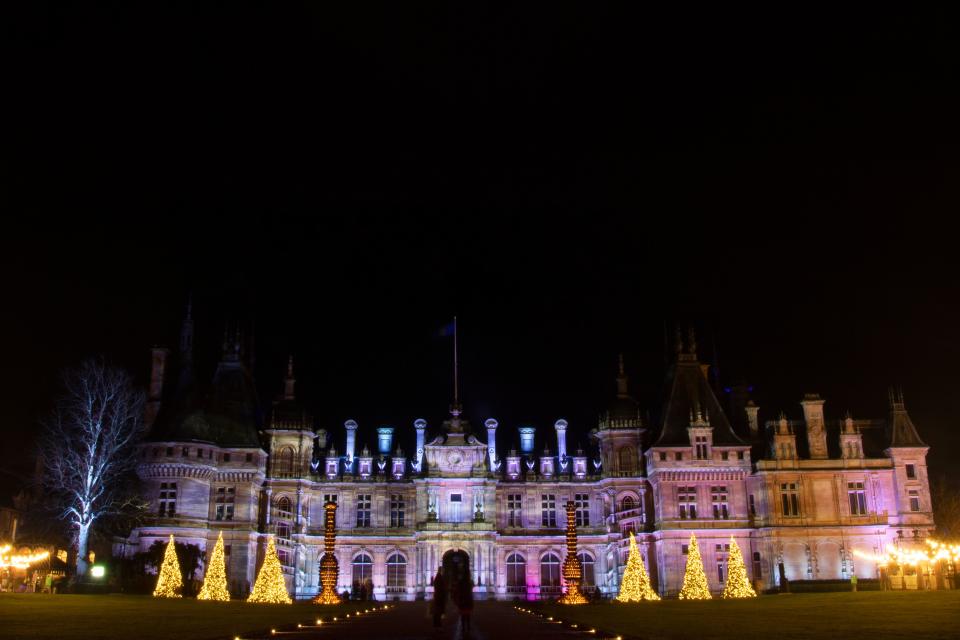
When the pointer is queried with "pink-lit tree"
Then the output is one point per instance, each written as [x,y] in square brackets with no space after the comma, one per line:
[88,448]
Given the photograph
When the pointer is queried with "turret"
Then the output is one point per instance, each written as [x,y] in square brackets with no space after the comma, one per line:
[851,442]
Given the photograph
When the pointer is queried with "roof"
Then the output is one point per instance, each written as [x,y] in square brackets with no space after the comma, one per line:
[689,395]
[901,429]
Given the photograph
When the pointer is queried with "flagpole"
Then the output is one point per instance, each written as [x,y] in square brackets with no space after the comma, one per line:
[456,389]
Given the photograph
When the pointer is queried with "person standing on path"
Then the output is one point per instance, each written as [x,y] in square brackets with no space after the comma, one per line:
[440,592]
[464,598]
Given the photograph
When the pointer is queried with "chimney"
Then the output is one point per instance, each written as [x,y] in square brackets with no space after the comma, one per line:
[157,371]
[752,411]
[561,427]
[421,426]
[491,426]
[816,433]
[351,427]
[526,439]
[385,440]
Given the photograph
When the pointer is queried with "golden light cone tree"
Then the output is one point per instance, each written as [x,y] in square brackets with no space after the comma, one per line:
[170,582]
[215,581]
[270,587]
[572,569]
[695,585]
[635,585]
[738,584]
[329,568]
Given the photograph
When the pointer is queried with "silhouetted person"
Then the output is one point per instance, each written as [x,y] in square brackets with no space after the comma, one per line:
[464,599]
[440,592]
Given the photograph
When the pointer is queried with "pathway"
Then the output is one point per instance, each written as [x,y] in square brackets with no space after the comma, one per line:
[410,621]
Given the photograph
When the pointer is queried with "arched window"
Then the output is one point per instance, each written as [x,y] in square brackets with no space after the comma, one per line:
[284,465]
[587,566]
[396,573]
[628,503]
[627,458]
[550,572]
[284,509]
[516,572]
[362,569]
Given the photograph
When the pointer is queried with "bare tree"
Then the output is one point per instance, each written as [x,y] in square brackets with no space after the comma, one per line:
[946,508]
[88,447]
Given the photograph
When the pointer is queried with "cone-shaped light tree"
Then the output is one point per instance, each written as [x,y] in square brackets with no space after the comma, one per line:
[170,582]
[695,585]
[635,585]
[738,584]
[215,582]
[270,586]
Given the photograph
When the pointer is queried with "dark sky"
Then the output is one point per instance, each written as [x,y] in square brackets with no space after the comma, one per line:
[565,180]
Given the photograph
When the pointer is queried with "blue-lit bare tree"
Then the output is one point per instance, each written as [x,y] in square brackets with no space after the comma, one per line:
[88,446]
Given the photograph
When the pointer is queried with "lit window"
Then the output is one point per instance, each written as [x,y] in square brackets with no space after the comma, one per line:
[687,502]
[397,509]
[582,501]
[858,498]
[364,505]
[514,510]
[548,507]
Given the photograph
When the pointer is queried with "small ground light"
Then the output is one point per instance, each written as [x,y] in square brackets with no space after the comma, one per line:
[319,621]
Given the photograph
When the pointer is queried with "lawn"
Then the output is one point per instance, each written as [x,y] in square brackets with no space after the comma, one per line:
[878,614]
[72,617]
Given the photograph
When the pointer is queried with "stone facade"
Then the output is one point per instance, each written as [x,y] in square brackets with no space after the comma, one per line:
[798,509]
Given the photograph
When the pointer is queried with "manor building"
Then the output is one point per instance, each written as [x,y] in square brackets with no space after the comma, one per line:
[800,496]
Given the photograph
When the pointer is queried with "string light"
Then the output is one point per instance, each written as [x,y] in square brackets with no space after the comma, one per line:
[270,586]
[329,568]
[572,572]
[170,581]
[695,585]
[635,585]
[8,560]
[215,582]
[738,584]
[935,552]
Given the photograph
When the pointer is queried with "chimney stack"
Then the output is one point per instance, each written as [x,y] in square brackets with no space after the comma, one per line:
[351,427]
[561,427]
[491,426]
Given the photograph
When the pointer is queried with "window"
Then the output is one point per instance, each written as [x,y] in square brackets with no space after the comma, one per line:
[790,499]
[911,471]
[678,456]
[249,457]
[329,497]
[514,510]
[283,530]
[284,466]
[396,573]
[700,443]
[169,451]
[739,455]
[226,457]
[721,550]
[185,452]
[627,457]
[284,557]
[718,498]
[209,454]
[684,549]
[397,508]
[516,573]
[548,507]
[858,499]
[587,566]
[456,501]
[362,569]
[284,508]
[724,455]
[753,505]
[914,500]
[363,509]
[226,497]
[582,501]
[168,499]
[550,572]
[687,502]
[199,453]
[756,566]
[663,456]
[628,503]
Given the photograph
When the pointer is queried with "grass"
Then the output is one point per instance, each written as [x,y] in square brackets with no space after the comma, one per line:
[880,614]
[76,617]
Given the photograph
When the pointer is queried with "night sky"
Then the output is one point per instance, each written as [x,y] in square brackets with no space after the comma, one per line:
[567,181]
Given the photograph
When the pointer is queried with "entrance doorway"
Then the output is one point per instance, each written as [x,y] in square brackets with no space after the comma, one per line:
[456,566]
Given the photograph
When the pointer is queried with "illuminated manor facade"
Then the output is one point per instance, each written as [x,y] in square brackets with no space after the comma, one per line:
[800,496]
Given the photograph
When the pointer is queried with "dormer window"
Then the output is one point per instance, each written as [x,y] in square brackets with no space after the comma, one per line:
[700,447]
